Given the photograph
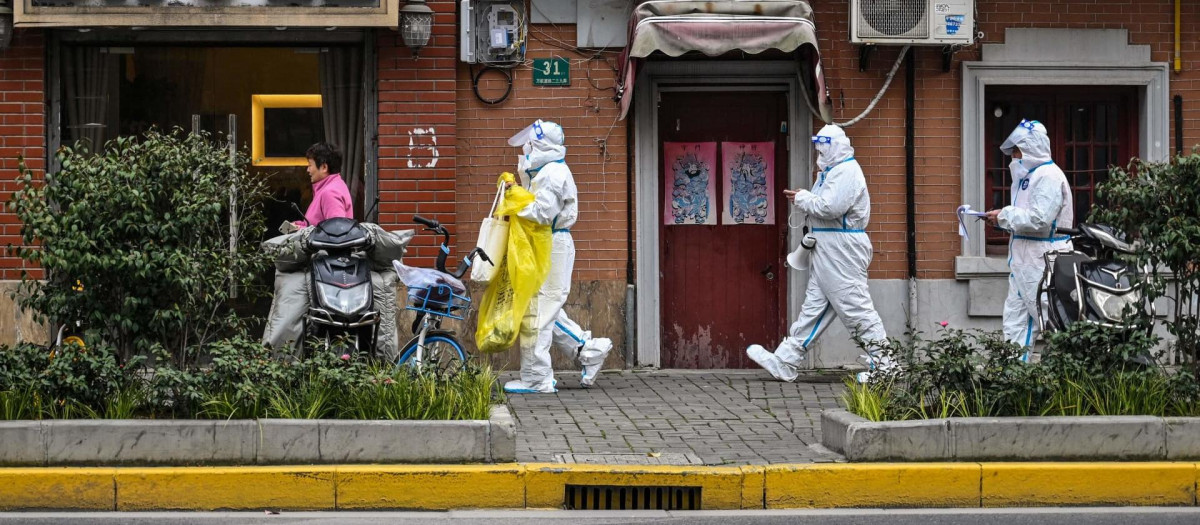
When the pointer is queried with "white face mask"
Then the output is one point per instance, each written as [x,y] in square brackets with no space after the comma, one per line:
[522,164]
[1017,169]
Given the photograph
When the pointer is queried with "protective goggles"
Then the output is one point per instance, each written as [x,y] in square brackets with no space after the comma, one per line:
[819,139]
[1028,124]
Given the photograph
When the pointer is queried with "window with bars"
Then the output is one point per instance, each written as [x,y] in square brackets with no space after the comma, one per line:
[1091,129]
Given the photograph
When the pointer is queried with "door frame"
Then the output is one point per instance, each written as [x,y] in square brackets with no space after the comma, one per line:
[1041,57]
[721,75]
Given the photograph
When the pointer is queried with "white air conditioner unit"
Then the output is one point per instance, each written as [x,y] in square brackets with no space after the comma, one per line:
[915,22]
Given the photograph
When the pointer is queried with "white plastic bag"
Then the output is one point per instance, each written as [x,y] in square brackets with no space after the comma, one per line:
[493,240]
[428,287]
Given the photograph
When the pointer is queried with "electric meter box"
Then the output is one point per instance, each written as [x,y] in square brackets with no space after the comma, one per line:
[492,31]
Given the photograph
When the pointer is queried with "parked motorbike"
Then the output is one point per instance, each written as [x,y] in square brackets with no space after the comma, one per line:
[1090,284]
[341,298]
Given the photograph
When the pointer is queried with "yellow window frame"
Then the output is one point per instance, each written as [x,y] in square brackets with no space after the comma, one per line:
[258,105]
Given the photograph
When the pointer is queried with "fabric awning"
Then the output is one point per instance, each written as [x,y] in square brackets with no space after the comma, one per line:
[714,28]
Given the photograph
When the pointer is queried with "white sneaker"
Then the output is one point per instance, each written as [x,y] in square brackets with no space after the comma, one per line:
[773,364]
[518,386]
[591,358]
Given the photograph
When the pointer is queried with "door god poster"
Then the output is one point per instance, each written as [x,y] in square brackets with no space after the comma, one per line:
[748,182]
[690,185]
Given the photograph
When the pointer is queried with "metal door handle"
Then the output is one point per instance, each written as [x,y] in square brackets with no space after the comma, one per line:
[769,272]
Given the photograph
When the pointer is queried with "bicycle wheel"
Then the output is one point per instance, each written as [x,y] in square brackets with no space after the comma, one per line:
[442,351]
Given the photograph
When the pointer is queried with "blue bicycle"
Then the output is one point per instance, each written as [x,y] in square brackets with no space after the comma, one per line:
[436,295]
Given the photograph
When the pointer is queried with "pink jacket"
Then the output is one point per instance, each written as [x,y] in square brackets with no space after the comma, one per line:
[331,199]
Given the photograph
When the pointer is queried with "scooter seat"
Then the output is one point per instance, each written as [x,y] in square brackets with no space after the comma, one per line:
[338,233]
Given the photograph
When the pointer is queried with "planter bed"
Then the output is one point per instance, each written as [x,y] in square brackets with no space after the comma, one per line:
[262,441]
[1057,438]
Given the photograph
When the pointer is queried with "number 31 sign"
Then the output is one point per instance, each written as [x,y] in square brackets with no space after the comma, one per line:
[551,72]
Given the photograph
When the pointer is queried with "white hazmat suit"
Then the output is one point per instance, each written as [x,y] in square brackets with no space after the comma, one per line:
[1041,202]
[556,203]
[838,210]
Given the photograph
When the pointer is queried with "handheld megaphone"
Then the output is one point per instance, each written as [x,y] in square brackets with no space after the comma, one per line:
[799,259]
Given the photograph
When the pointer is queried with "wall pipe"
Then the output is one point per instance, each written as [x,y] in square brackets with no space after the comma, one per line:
[910,175]
[1178,125]
[1178,59]
[630,275]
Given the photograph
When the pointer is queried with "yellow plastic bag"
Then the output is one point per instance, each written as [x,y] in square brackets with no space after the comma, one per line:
[518,277]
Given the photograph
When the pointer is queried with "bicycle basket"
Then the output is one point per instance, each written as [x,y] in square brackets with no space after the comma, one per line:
[440,300]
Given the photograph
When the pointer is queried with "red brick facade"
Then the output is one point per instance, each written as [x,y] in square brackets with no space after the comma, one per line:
[417,129]
[879,139]
[596,146]
[22,130]
[452,179]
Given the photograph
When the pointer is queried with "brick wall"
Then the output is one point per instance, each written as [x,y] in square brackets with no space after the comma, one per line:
[596,146]
[587,111]
[451,179]
[879,139]
[22,131]
[417,130]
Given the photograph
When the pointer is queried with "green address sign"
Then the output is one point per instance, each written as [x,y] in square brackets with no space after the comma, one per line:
[551,72]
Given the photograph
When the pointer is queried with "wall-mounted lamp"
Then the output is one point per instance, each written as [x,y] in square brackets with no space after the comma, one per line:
[416,23]
[6,26]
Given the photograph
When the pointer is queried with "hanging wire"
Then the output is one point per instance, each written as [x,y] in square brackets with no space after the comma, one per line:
[871,106]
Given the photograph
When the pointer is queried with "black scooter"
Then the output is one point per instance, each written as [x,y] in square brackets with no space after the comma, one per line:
[341,296]
[341,300]
[1089,284]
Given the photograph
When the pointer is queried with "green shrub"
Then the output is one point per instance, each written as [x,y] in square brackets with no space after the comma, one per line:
[1085,370]
[1158,204]
[421,393]
[242,381]
[52,377]
[135,241]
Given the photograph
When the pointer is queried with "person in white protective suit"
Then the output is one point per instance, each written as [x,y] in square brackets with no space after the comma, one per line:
[1041,202]
[556,203]
[838,210]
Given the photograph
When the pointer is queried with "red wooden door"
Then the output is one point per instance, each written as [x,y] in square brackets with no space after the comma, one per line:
[723,287]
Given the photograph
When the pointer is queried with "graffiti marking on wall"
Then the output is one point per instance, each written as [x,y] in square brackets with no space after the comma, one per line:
[422,140]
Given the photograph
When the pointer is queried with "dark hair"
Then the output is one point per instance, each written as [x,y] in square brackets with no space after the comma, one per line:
[325,153]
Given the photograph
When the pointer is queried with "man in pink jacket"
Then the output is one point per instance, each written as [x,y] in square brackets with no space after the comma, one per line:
[331,197]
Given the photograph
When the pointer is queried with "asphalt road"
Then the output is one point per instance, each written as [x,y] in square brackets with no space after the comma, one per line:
[1066,516]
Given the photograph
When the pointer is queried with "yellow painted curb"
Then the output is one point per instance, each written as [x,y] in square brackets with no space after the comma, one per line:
[234,488]
[545,483]
[56,488]
[1034,484]
[431,487]
[872,485]
[754,486]
[439,487]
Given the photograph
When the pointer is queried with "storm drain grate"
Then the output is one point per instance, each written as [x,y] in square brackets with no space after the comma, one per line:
[609,497]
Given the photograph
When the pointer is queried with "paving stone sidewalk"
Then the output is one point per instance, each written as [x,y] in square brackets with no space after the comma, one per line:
[722,417]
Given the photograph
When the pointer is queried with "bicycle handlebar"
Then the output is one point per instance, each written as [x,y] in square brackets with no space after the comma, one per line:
[465,264]
[444,250]
[427,222]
